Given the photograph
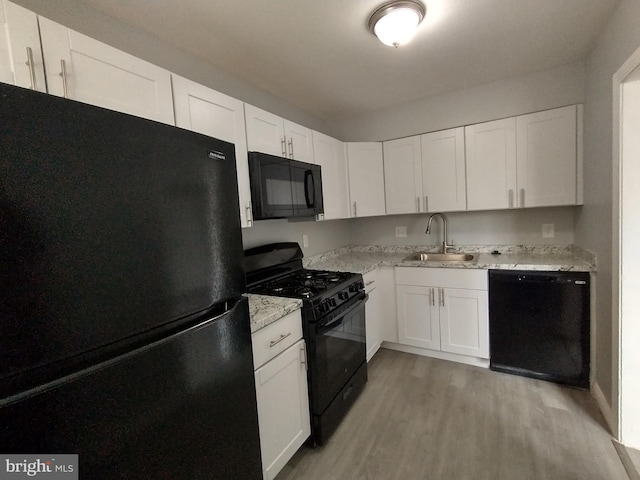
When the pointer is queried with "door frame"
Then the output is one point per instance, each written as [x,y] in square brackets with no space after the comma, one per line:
[625,261]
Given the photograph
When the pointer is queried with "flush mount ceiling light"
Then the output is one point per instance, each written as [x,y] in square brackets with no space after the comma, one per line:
[396,22]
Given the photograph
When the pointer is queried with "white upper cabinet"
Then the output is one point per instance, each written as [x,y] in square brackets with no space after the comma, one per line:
[83,69]
[546,158]
[269,133]
[329,153]
[366,179]
[20,53]
[203,110]
[265,132]
[491,165]
[526,161]
[443,171]
[403,176]
[299,142]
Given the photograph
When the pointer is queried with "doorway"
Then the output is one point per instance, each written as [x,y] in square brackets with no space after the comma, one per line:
[626,251]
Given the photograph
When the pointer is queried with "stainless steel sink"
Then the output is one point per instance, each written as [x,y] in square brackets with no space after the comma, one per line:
[440,257]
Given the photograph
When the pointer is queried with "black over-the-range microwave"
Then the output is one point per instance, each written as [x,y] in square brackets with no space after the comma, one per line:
[284,188]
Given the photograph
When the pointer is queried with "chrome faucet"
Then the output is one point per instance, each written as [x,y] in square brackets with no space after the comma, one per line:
[444,225]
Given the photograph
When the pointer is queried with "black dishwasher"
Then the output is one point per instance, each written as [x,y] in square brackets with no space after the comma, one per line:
[539,325]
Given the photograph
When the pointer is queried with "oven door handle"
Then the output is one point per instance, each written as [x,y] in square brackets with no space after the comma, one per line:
[324,328]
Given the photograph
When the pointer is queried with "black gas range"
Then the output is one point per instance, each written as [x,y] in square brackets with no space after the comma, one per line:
[333,322]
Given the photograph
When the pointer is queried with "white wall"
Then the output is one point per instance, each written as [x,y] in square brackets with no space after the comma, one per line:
[519,227]
[525,94]
[323,236]
[619,39]
[78,16]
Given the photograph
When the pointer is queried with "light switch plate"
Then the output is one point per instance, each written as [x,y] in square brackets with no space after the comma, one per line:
[548,230]
[401,231]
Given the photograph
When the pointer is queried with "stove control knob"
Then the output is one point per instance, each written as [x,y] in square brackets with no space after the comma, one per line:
[343,295]
[332,302]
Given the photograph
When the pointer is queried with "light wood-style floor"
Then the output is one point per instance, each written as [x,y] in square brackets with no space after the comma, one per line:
[423,418]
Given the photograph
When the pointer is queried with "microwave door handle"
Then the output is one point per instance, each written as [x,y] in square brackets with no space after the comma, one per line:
[310,199]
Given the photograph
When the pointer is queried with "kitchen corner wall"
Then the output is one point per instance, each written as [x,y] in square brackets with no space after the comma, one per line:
[506,98]
[507,227]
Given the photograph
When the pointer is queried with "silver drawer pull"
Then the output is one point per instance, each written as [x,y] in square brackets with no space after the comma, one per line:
[273,343]
[32,68]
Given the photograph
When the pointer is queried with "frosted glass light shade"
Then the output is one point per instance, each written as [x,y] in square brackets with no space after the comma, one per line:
[395,23]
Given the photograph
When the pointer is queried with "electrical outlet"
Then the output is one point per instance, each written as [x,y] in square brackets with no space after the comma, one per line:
[548,230]
[305,240]
[401,231]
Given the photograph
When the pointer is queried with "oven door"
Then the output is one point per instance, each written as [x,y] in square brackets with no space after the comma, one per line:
[337,347]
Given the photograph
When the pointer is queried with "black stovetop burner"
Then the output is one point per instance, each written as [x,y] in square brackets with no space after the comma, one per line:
[301,284]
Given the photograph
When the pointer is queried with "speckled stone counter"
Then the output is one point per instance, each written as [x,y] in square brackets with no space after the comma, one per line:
[264,309]
[543,258]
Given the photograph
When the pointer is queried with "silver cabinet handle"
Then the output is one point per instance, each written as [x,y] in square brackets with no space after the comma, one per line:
[291,147]
[303,356]
[426,203]
[63,74]
[521,198]
[32,68]
[418,203]
[283,144]
[273,343]
[249,217]
[432,297]
[510,198]
[441,295]
[355,209]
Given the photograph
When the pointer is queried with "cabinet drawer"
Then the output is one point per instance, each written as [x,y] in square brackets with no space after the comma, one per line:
[474,279]
[276,338]
[369,279]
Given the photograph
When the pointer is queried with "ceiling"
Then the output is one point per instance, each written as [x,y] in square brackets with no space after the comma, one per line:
[319,56]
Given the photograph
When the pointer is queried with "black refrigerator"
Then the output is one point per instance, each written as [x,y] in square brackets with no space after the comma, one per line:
[124,336]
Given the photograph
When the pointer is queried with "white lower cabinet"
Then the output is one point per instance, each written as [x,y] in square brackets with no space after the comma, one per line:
[444,310]
[373,314]
[281,392]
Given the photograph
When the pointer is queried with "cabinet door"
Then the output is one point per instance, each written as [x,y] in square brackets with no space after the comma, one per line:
[491,165]
[373,315]
[464,321]
[388,312]
[83,69]
[366,179]
[265,132]
[283,408]
[330,155]
[212,113]
[403,175]
[418,322]
[546,155]
[299,142]
[20,53]
[443,171]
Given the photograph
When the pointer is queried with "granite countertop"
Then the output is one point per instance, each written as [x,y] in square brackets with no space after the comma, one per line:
[541,258]
[264,310]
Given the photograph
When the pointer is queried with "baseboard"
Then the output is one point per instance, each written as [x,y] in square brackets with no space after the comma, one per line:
[452,357]
[605,408]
